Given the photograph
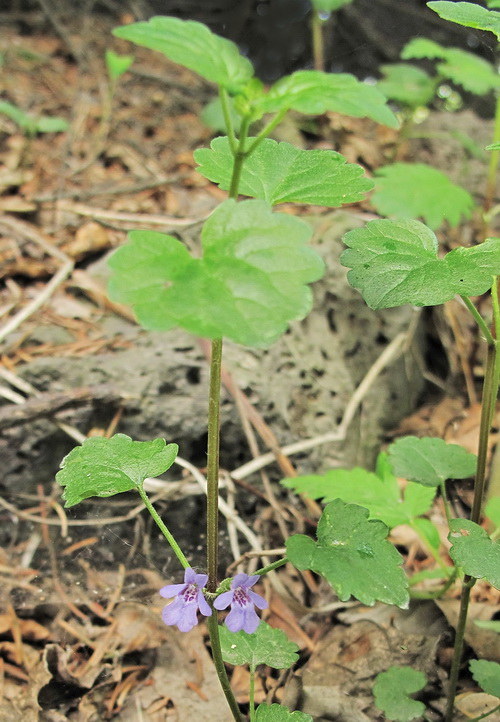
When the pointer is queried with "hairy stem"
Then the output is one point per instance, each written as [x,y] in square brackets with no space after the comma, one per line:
[251,695]
[467,585]
[164,530]
[213,630]
[317,40]
[213,465]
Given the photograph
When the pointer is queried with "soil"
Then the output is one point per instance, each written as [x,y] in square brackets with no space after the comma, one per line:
[83,582]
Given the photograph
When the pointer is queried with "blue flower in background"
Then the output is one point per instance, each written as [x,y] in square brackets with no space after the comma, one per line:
[189,597]
[243,602]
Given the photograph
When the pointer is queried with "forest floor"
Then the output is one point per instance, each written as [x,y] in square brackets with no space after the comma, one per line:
[89,645]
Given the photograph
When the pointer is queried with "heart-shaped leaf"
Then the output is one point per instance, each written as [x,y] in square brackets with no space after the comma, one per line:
[396,262]
[414,190]
[430,461]
[117,65]
[278,713]
[265,646]
[468,14]
[250,283]
[194,46]
[104,467]
[391,690]
[473,550]
[407,84]
[487,675]
[281,173]
[312,92]
[380,494]
[353,555]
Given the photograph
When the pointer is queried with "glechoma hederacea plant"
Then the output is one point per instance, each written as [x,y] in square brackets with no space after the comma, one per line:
[250,283]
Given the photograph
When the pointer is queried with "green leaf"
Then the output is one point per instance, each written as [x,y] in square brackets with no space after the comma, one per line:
[46,124]
[406,84]
[104,467]
[492,511]
[493,3]
[426,529]
[31,124]
[473,73]
[278,713]
[329,6]
[396,262]
[415,190]
[353,555]
[212,116]
[381,496]
[194,46]
[468,14]
[254,261]
[430,461]
[492,626]
[117,65]
[281,173]
[487,675]
[493,146]
[392,690]
[313,92]
[265,646]
[473,550]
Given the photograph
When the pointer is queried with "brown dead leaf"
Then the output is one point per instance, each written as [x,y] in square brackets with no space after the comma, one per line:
[89,239]
[476,704]
[240,683]
[484,642]
[137,628]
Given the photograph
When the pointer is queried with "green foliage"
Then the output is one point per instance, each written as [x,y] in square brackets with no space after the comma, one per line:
[493,146]
[430,461]
[278,713]
[280,173]
[353,555]
[253,261]
[493,3]
[415,190]
[329,6]
[117,65]
[487,675]
[491,625]
[32,124]
[473,73]
[194,46]
[396,262]
[473,550]
[213,116]
[407,85]
[104,467]
[265,646]
[468,14]
[379,493]
[392,690]
[492,511]
[313,92]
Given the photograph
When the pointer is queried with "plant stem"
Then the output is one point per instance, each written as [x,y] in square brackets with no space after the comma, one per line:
[265,131]
[164,530]
[213,465]
[224,101]
[493,165]
[479,320]
[239,158]
[271,567]
[251,695]
[213,630]
[317,40]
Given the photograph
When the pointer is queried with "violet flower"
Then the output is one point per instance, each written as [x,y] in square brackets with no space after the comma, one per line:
[242,600]
[189,596]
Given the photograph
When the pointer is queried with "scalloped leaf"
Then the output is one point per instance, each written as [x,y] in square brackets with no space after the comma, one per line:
[395,262]
[104,467]
[392,689]
[379,493]
[430,461]
[415,190]
[353,555]
[407,85]
[280,173]
[194,46]
[266,645]
[487,675]
[254,261]
[313,92]
[474,551]
[468,14]
[473,73]
[278,713]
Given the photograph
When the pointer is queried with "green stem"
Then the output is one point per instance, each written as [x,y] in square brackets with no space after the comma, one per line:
[486,714]
[168,536]
[213,630]
[239,158]
[213,465]
[224,101]
[317,41]
[271,567]
[265,131]
[467,585]
[251,696]
[438,593]
[479,320]
[493,165]
[446,503]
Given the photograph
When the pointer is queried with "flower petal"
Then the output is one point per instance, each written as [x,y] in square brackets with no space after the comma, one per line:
[171,590]
[200,580]
[189,575]
[259,601]
[250,620]
[203,605]
[235,620]
[187,618]
[172,612]
[223,600]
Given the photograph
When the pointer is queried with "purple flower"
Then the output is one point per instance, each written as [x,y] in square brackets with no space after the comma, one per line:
[242,600]
[189,596]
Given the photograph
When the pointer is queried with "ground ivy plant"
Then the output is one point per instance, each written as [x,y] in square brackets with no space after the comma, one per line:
[251,280]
